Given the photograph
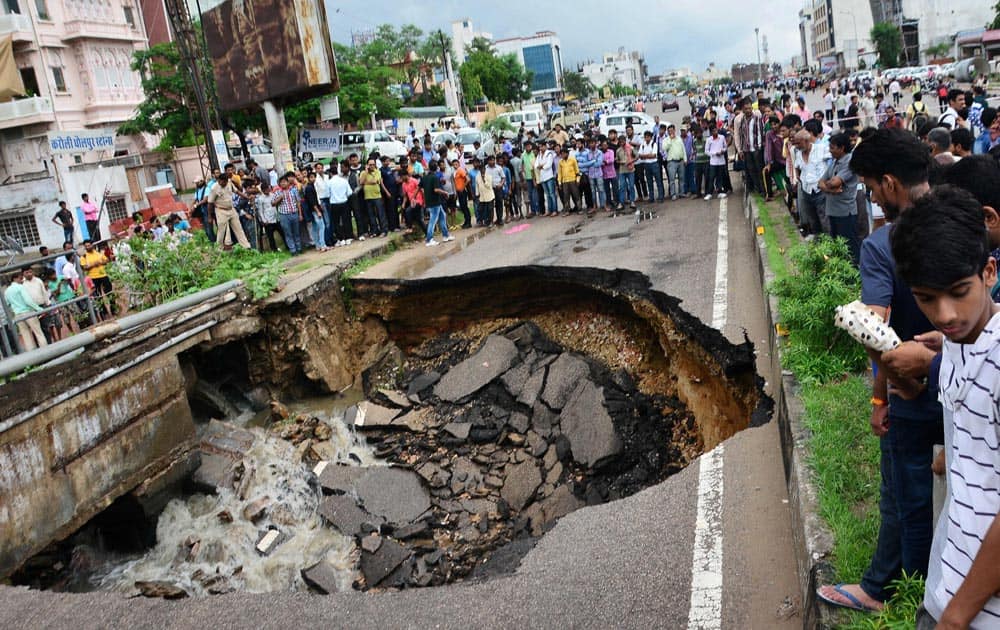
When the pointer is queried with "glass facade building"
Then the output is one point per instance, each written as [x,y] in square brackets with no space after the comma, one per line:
[539,61]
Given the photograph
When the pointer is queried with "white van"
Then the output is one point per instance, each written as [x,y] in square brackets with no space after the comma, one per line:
[533,120]
[366,142]
[619,120]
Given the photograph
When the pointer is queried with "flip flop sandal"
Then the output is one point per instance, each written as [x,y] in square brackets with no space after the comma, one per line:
[855,603]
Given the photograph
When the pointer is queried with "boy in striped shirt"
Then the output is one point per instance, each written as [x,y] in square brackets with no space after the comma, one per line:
[942,252]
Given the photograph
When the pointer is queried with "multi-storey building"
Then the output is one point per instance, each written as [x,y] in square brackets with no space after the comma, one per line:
[74,59]
[621,67]
[541,54]
[462,34]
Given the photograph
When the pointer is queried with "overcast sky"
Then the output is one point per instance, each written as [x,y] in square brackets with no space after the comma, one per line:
[671,33]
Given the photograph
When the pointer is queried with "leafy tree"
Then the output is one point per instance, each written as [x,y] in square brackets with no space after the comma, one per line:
[479,45]
[938,50]
[888,41]
[472,89]
[576,84]
[364,88]
[501,79]
[995,24]
[169,101]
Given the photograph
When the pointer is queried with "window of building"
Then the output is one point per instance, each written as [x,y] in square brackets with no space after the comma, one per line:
[43,9]
[116,208]
[30,81]
[11,7]
[58,79]
[23,227]
[130,16]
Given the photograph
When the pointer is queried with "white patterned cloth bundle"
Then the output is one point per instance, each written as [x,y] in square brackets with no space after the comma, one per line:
[866,327]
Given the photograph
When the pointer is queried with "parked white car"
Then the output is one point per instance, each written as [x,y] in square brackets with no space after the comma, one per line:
[532,120]
[619,120]
[368,142]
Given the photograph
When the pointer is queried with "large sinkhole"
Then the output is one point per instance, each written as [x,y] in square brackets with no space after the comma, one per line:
[480,410]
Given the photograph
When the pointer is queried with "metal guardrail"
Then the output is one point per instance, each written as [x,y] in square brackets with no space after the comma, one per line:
[53,351]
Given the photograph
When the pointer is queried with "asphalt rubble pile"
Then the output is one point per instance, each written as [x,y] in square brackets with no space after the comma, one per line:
[488,440]
[490,443]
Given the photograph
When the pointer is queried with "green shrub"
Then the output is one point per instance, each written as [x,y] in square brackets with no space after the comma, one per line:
[820,279]
[159,271]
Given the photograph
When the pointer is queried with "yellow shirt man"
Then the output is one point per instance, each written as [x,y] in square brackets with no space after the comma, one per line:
[569,169]
[94,261]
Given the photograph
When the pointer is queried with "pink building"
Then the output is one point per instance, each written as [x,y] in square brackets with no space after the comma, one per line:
[74,58]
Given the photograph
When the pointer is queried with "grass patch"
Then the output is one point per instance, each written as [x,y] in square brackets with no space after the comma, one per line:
[155,272]
[844,457]
[899,613]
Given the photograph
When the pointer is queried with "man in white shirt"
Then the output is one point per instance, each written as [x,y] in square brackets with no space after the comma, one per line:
[648,163]
[545,166]
[340,211]
[811,162]
[716,148]
[950,117]
[322,185]
[897,92]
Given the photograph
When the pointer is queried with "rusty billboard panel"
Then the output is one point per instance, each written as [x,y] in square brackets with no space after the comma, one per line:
[269,50]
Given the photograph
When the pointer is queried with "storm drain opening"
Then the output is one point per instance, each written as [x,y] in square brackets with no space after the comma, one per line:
[488,407]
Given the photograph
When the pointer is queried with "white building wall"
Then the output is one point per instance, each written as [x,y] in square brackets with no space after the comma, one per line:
[940,20]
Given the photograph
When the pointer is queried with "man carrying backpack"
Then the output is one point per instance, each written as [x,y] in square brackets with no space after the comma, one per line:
[916,113]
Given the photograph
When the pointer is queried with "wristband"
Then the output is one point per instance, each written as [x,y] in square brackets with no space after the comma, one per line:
[878,402]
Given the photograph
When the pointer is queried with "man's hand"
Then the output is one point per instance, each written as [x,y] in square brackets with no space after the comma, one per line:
[909,360]
[933,340]
[907,389]
[880,420]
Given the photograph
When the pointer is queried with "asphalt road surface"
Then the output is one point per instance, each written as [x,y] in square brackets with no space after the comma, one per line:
[709,548]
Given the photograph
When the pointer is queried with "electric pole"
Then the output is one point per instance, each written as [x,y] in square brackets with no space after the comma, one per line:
[190,46]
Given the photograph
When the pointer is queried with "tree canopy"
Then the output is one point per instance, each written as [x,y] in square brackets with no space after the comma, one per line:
[888,41]
[169,99]
[995,24]
[501,79]
[578,85]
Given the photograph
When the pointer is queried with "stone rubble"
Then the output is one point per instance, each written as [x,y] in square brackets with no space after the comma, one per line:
[489,445]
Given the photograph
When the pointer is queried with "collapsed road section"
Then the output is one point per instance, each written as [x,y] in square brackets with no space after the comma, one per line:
[493,404]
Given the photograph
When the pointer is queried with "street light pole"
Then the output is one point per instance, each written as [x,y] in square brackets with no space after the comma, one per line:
[756,35]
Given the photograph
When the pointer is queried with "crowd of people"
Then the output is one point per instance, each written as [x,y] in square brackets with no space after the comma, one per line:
[43,299]
[915,196]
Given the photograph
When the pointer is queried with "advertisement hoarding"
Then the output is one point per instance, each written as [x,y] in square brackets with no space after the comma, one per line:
[319,143]
[269,50]
[828,64]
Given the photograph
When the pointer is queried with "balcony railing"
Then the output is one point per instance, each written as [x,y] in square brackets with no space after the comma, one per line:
[14,111]
[76,28]
[15,23]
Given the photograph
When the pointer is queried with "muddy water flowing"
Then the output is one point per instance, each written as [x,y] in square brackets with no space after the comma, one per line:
[205,545]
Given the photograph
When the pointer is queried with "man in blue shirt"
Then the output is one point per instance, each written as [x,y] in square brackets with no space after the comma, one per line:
[894,165]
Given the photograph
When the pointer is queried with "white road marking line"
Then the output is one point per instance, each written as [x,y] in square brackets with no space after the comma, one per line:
[721,271]
[705,612]
[706,567]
